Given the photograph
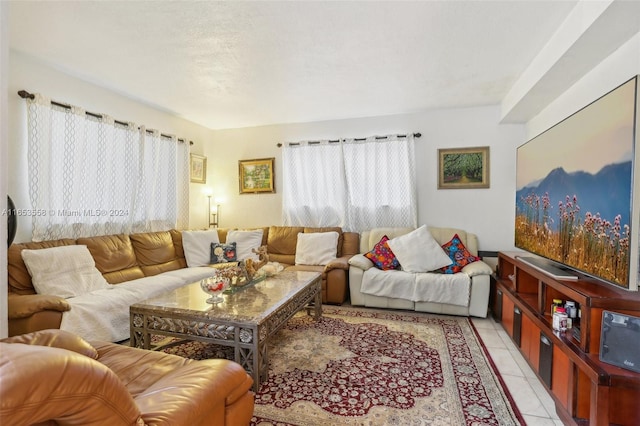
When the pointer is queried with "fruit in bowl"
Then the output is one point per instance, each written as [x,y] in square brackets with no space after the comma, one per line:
[214,286]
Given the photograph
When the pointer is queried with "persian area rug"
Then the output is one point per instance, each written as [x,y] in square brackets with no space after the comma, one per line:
[372,367]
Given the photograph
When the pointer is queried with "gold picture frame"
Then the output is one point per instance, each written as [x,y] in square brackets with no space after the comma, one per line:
[198,168]
[256,176]
[463,168]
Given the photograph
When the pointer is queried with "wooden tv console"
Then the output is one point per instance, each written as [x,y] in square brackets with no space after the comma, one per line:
[586,390]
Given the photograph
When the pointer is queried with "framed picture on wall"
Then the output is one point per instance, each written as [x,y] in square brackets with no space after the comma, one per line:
[256,176]
[463,168]
[198,168]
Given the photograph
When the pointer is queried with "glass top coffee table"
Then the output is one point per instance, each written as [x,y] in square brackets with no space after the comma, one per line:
[244,321]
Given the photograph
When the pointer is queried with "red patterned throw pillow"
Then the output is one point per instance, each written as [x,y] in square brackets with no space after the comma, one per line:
[382,256]
[459,254]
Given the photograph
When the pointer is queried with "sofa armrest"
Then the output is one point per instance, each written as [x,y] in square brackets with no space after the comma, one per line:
[56,339]
[477,268]
[23,306]
[338,263]
[361,262]
[197,391]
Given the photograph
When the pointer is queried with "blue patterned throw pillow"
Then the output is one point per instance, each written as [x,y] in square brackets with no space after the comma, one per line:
[459,254]
[223,253]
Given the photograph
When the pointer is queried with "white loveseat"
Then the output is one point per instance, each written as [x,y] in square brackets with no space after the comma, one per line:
[478,272]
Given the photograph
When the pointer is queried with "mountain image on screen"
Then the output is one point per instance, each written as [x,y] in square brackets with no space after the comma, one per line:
[605,193]
[579,219]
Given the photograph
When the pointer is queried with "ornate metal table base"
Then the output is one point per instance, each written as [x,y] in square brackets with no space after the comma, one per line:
[244,321]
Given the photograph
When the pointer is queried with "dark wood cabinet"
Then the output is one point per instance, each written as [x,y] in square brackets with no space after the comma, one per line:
[586,390]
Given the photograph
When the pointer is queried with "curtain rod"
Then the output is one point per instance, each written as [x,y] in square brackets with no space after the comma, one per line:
[415,135]
[26,95]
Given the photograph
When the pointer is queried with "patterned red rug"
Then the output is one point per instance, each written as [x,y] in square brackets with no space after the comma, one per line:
[370,367]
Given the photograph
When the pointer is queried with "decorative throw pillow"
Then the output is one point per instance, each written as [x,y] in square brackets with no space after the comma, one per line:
[382,256]
[459,254]
[197,246]
[245,241]
[316,248]
[65,271]
[223,253]
[418,251]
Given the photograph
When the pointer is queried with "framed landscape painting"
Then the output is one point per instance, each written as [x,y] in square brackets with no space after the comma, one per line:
[256,176]
[198,168]
[463,168]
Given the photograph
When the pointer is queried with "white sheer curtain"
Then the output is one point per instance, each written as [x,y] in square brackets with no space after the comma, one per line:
[92,176]
[380,177]
[183,171]
[357,184]
[313,191]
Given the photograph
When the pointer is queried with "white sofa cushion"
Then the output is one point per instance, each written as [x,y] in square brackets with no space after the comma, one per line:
[65,271]
[418,287]
[316,248]
[368,239]
[245,242]
[418,251]
[104,314]
[197,247]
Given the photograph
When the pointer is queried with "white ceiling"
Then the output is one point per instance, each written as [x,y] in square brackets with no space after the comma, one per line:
[239,64]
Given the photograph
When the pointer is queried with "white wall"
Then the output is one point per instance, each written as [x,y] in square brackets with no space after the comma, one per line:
[486,212]
[619,67]
[36,77]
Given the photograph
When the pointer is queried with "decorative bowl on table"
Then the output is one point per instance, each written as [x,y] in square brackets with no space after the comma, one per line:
[215,286]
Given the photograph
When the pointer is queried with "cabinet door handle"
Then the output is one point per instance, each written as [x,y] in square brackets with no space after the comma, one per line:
[544,340]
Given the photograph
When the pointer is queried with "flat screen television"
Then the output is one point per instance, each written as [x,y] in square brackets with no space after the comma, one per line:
[574,194]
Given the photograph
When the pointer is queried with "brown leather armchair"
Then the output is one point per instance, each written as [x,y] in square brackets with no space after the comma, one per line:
[52,377]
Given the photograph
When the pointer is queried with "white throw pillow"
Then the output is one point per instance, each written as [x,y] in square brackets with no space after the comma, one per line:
[197,247]
[245,241]
[418,251]
[66,271]
[316,248]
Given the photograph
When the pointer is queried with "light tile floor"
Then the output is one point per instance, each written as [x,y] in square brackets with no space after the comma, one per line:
[533,401]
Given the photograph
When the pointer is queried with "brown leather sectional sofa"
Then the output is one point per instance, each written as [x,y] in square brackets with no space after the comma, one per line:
[55,377]
[123,258]
[281,246]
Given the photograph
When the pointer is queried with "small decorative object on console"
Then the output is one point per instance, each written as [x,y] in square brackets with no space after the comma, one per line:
[559,319]
[214,286]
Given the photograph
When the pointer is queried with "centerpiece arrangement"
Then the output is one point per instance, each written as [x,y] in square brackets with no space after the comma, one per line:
[236,274]
[231,278]
[240,276]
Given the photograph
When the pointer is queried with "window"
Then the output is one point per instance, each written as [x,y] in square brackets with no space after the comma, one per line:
[357,184]
[90,175]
